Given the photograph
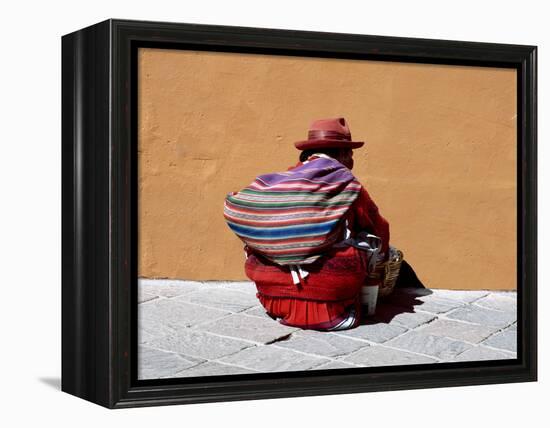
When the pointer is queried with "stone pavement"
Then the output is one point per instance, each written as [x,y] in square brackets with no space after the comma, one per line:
[188,328]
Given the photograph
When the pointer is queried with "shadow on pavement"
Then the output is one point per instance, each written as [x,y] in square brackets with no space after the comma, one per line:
[403,299]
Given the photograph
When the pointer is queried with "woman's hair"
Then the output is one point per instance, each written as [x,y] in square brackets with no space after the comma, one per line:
[333,153]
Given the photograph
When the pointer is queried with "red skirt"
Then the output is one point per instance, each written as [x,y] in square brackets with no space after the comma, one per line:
[325,297]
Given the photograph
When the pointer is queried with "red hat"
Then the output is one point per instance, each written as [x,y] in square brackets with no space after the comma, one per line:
[328,133]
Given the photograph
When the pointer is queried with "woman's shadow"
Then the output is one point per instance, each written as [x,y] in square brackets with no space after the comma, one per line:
[403,299]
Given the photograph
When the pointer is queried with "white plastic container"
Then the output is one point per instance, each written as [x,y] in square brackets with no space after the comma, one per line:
[369,297]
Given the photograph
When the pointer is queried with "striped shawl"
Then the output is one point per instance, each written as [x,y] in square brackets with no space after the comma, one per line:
[293,217]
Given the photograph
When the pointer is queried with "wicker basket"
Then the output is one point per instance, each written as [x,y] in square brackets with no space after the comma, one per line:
[387,272]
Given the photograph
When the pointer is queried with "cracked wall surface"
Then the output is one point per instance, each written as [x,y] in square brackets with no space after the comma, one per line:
[439,159]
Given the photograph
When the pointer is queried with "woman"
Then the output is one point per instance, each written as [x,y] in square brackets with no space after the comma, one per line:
[327,296]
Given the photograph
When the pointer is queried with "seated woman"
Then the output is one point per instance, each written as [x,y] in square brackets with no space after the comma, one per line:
[325,294]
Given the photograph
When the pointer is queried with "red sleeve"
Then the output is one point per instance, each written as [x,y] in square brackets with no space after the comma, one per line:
[364,215]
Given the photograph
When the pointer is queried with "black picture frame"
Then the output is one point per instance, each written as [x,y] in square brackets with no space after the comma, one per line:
[99,213]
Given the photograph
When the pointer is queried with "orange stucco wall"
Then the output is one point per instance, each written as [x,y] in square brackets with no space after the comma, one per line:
[440,157]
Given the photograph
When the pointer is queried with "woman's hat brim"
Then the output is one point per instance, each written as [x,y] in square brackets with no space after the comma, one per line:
[328,144]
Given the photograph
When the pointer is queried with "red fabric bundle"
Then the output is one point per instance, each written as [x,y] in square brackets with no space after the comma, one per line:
[337,276]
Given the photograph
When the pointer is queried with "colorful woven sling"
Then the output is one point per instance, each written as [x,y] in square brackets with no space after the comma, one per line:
[293,217]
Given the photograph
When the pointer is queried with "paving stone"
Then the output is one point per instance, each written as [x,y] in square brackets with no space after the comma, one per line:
[379,355]
[506,340]
[145,297]
[211,368]
[151,327]
[243,286]
[422,300]
[170,313]
[466,296]
[226,299]
[146,333]
[191,328]
[511,294]
[324,344]
[167,287]
[472,333]
[499,302]
[249,328]
[437,305]
[389,313]
[334,365]
[257,311]
[379,332]
[483,316]
[428,344]
[199,344]
[481,353]
[155,364]
[273,359]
